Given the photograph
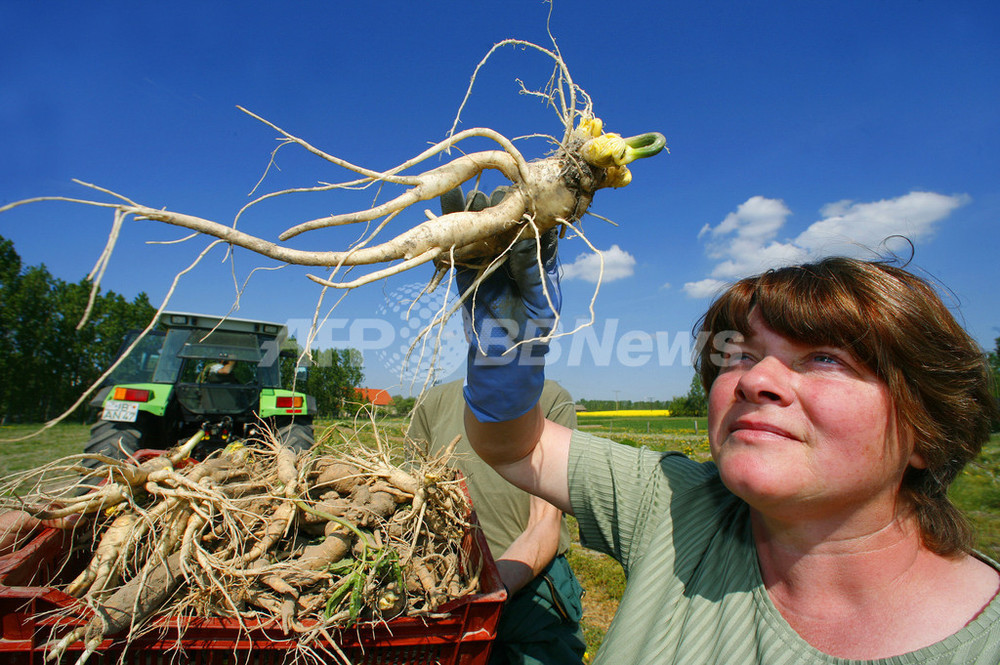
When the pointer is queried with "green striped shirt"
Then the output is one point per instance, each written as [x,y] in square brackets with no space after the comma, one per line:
[695,593]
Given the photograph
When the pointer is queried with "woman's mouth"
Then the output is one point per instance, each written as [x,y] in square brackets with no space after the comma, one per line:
[757,426]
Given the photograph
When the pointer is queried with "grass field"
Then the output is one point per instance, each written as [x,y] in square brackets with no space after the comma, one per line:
[63,439]
[977,490]
[640,423]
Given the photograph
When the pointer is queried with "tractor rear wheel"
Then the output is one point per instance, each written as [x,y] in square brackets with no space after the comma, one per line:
[297,435]
[112,439]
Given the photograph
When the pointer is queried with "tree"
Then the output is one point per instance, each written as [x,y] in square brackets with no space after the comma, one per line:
[697,400]
[10,270]
[32,366]
[85,353]
[46,363]
[332,379]
[994,359]
[694,403]
[403,405]
[622,404]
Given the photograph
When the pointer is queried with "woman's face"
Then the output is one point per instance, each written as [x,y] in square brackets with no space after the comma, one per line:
[804,432]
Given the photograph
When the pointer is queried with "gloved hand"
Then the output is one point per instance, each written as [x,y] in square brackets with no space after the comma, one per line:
[516,302]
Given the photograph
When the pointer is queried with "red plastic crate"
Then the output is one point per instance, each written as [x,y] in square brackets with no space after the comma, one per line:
[463,636]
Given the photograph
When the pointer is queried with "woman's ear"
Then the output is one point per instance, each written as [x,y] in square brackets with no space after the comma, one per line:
[907,438]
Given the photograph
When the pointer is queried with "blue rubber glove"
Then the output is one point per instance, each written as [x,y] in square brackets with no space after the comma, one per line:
[509,306]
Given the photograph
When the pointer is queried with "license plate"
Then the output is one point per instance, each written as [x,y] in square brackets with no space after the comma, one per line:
[122,412]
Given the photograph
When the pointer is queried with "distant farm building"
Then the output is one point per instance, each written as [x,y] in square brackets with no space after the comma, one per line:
[374,396]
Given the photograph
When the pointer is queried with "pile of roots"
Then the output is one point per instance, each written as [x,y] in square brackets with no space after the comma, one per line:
[306,542]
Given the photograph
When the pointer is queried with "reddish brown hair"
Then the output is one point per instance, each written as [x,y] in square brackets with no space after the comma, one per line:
[897,325]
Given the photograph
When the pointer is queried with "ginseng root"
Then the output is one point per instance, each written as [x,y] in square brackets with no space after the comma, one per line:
[543,193]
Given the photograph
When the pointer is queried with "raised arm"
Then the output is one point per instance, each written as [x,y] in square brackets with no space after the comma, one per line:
[529,451]
[509,318]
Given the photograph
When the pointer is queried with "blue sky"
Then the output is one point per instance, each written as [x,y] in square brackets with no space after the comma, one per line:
[796,129]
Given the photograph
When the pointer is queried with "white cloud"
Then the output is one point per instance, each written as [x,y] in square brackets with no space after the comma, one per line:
[618,264]
[757,219]
[744,243]
[749,259]
[856,229]
[705,288]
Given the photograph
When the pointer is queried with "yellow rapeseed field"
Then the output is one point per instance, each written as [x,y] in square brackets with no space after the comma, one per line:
[630,413]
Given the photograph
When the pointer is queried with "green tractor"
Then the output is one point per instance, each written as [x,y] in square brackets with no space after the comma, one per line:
[196,373]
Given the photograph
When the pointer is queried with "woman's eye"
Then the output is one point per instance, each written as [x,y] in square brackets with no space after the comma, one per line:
[826,359]
[733,358]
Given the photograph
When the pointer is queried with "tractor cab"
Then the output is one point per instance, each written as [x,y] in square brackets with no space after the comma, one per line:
[199,372]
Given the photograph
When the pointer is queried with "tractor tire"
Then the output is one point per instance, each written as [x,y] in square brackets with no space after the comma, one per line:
[297,435]
[112,439]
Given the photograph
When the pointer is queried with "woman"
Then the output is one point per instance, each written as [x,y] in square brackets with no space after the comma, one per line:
[843,400]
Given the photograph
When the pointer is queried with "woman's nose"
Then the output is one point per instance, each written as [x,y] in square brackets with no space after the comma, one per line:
[767,381]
